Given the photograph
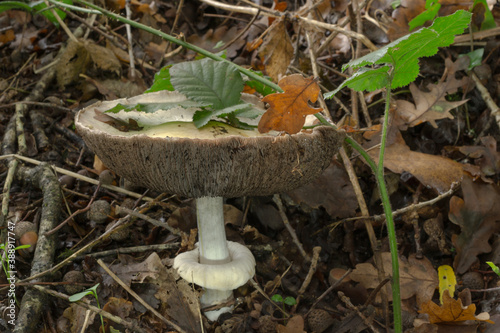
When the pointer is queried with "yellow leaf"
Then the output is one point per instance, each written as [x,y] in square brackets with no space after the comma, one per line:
[447,281]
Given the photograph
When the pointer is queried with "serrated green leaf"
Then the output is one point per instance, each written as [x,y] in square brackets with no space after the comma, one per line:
[364,79]
[162,81]
[403,53]
[8,5]
[218,84]
[152,107]
[432,8]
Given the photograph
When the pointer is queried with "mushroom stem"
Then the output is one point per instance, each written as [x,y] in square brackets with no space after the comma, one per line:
[211,231]
[213,248]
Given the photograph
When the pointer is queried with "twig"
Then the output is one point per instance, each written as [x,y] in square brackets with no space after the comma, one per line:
[80,177]
[296,240]
[495,110]
[129,38]
[149,219]
[106,314]
[137,297]
[329,290]
[312,270]
[351,306]
[134,249]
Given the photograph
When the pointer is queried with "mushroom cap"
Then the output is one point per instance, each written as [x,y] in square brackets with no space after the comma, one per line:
[227,276]
[220,161]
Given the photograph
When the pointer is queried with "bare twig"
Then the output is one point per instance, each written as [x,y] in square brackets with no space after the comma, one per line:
[138,298]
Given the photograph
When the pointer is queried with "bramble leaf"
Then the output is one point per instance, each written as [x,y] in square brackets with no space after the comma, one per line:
[364,79]
[403,54]
[431,10]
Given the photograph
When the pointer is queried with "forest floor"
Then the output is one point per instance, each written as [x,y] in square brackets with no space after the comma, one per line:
[322,250]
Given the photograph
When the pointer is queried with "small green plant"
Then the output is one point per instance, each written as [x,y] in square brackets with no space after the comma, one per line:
[289,300]
[392,66]
[89,291]
[494,267]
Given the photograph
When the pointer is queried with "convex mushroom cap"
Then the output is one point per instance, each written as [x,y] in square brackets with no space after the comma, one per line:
[216,160]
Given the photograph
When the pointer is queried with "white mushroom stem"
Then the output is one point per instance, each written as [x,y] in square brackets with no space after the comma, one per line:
[213,248]
[211,231]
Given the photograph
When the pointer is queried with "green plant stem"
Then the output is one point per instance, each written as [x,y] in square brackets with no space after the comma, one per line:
[174,40]
[386,203]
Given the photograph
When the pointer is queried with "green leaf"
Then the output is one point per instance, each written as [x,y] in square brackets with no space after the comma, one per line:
[8,5]
[42,8]
[218,84]
[79,296]
[403,53]
[432,8]
[152,107]
[261,88]
[277,298]
[476,58]
[494,267]
[364,79]
[290,301]
[202,117]
[481,6]
[162,81]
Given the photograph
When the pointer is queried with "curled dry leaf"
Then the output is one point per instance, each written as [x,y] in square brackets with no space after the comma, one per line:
[288,110]
[452,311]
[276,50]
[477,214]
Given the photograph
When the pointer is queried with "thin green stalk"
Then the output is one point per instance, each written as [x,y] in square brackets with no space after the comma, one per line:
[174,40]
[386,203]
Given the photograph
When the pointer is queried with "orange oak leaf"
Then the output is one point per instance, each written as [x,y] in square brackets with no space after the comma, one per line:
[288,110]
[451,311]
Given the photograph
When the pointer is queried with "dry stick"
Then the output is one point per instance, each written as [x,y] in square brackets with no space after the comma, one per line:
[42,177]
[369,229]
[129,38]
[277,200]
[351,306]
[130,325]
[137,297]
[80,177]
[133,249]
[312,270]
[364,108]
[495,110]
[146,218]
[276,14]
[329,290]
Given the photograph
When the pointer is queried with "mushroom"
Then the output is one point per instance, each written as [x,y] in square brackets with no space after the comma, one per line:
[211,163]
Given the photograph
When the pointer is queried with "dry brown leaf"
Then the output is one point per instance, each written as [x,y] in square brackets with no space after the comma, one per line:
[417,276]
[432,105]
[287,111]
[294,325]
[487,156]
[477,215]
[222,34]
[451,311]
[433,171]
[276,50]
[332,190]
